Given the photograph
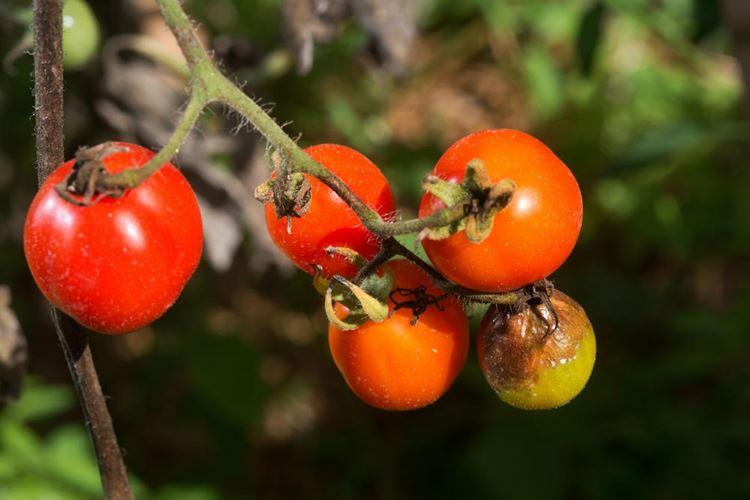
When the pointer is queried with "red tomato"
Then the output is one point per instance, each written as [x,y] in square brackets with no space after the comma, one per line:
[119,264]
[532,236]
[394,365]
[329,221]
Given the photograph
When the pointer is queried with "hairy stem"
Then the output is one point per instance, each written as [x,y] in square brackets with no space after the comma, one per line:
[221,89]
[453,288]
[134,176]
[183,31]
[392,247]
[48,93]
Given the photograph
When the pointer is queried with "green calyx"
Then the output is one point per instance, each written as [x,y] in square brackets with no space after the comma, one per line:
[364,302]
[480,197]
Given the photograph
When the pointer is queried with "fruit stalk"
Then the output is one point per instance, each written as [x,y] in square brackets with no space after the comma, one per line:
[391,247]
[131,178]
[48,93]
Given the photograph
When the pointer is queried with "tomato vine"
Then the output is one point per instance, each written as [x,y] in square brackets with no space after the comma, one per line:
[48,95]
[469,207]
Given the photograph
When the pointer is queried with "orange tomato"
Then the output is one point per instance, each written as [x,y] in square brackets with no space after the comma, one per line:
[329,221]
[532,236]
[394,365]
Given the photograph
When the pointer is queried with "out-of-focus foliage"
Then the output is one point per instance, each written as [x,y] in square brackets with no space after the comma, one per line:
[234,389]
[57,463]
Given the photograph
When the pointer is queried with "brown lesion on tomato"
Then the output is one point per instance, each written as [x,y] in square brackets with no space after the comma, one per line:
[519,342]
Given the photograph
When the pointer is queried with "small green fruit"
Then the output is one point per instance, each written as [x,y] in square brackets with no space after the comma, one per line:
[529,368]
[80,33]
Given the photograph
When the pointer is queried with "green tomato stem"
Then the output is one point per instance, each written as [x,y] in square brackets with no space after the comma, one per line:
[132,177]
[207,85]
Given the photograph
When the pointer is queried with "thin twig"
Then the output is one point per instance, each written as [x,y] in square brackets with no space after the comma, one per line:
[48,91]
[207,85]
[205,75]
[392,247]
[133,176]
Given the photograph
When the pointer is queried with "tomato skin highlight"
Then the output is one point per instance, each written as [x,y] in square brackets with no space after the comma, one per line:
[329,221]
[394,365]
[119,264]
[532,236]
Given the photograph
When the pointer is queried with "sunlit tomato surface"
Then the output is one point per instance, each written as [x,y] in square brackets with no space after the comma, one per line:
[329,221]
[394,365]
[119,264]
[532,236]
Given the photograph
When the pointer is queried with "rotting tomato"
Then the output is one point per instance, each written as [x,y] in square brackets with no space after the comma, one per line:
[120,263]
[328,220]
[397,365]
[530,367]
[532,236]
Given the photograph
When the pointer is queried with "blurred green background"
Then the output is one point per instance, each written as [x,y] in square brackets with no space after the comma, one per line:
[233,393]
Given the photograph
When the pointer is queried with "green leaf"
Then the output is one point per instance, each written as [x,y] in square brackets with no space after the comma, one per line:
[660,145]
[411,241]
[20,443]
[706,18]
[70,459]
[589,36]
[41,401]
[224,376]
[181,492]
[36,488]
[543,82]
[8,469]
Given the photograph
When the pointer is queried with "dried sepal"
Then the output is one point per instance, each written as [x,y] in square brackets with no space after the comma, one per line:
[333,318]
[350,255]
[476,178]
[290,194]
[442,232]
[478,227]
[365,302]
[480,197]
[374,308]
[448,192]
[83,186]
[264,192]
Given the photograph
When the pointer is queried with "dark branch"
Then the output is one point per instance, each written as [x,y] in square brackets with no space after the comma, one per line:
[48,93]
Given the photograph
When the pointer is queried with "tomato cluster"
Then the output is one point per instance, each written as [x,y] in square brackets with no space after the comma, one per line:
[118,260]
[411,358]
